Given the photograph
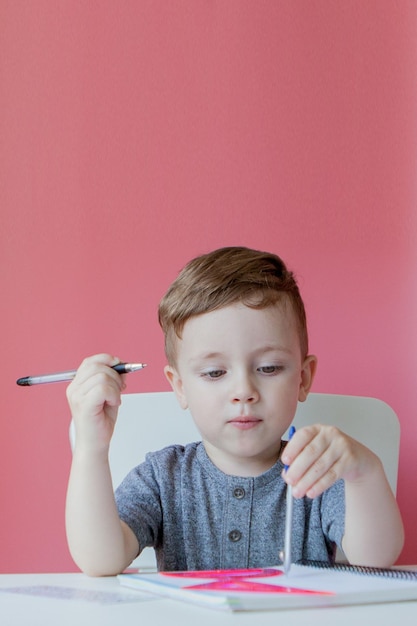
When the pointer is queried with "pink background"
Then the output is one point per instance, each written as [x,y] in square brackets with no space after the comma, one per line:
[137,134]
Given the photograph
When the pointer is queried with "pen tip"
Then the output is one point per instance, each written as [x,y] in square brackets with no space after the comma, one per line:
[23,382]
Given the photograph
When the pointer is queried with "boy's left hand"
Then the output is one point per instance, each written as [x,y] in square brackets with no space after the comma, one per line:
[320,455]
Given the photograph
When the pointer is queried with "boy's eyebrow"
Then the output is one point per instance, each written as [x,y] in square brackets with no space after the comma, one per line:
[206,356]
[273,348]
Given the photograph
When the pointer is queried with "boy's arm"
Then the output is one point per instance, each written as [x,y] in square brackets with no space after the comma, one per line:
[99,542]
[374,533]
[318,456]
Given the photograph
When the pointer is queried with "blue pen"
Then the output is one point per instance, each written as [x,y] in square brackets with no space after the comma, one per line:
[288,520]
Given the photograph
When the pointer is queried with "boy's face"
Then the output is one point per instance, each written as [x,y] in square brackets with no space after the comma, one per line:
[241,373]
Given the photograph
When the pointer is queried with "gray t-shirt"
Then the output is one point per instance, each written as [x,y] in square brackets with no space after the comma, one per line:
[196,517]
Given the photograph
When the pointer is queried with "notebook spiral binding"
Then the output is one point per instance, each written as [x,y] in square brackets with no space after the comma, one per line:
[362,569]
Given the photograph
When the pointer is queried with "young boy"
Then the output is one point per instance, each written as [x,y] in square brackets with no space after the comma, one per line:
[237,350]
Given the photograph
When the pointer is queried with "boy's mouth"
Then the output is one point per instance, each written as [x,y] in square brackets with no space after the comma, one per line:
[245,423]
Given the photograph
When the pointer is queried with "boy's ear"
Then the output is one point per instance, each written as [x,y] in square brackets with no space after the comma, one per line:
[176,383]
[308,371]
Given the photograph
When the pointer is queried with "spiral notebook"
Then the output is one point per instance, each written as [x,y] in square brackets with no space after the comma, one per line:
[309,585]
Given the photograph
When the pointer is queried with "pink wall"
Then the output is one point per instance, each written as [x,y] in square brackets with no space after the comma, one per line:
[137,134]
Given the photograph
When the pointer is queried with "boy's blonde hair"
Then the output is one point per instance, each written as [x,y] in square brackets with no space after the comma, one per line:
[227,276]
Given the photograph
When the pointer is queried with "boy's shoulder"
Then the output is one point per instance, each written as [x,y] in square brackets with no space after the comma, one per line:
[175,450]
[175,455]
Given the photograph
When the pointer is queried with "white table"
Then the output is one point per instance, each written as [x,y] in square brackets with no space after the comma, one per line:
[76,600]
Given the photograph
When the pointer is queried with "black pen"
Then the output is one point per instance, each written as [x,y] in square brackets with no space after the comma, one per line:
[59,377]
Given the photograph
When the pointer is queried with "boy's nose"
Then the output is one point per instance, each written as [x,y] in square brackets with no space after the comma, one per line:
[245,390]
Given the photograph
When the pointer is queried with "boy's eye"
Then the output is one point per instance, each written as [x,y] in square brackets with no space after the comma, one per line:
[213,373]
[269,369]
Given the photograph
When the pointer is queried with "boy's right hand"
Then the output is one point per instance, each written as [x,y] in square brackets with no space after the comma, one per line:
[94,397]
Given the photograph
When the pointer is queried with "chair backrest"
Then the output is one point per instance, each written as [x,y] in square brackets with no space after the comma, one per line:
[150,421]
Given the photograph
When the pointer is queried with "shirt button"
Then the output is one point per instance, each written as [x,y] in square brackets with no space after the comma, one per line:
[239,493]
[235,535]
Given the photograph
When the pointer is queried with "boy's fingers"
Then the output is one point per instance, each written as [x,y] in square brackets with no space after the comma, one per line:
[92,366]
[315,459]
[299,441]
[325,481]
[320,476]
[305,447]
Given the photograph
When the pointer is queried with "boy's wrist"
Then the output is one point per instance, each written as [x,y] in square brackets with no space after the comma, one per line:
[88,452]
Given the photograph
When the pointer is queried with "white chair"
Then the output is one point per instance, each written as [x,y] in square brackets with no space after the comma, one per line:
[150,421]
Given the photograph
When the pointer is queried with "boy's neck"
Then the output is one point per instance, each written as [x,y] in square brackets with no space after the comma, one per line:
[244,467]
